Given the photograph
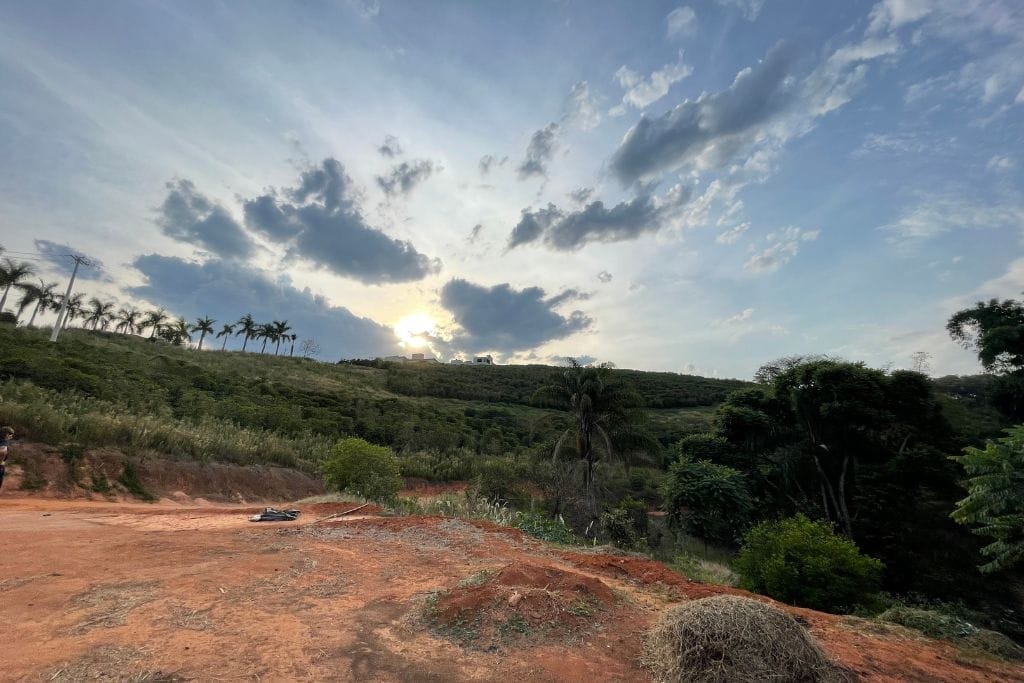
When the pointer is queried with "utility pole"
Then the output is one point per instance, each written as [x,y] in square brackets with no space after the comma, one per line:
[79,261]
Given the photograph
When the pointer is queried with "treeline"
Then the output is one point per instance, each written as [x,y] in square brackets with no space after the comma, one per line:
[519,383]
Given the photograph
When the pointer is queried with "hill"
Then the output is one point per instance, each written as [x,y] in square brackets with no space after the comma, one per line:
[121,390]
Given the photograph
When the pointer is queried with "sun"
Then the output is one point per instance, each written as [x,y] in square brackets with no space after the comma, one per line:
[415,330]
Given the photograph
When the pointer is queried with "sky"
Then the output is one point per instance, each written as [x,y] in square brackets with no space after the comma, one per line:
[698,188]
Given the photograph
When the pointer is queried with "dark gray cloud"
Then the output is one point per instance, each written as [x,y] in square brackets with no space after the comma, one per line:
[188,216]
[714,126]
[503,319]
[566,231]
[604,276]
[533,224]
[59,256]
[404,177]
[226,290]
[489,161]
[474,234]
[581,195]
[390,148]
[320,220]
[539,152]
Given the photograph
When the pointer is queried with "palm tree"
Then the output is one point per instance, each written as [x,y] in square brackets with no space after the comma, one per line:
[203,326]
[128,320]
[74,309]
[281,327]
[176,332]
[11,275]
[225,332]
[600,412]
[292,351]
[41,295]
[267,332]
[155,319]
[248,328]
[98,311]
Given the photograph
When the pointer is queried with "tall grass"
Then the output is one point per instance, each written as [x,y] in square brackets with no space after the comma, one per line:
[55,417]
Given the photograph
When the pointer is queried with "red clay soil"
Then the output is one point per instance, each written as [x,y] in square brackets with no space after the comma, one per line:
[112,591]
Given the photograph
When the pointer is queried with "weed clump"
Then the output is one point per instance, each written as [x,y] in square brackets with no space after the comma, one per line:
[729,639]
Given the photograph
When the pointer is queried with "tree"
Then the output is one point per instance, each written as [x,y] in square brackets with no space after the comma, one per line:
[996,331]
[921,361]
[291,352]
[281,328]
[598,408]
[127,320]
[995,498]
[98,312]
[75,305]
[309,348]
[156,320]
[204,326]
[176,332]
[709,501]
[363,468]
[266,332]
[41,295]
[225,332]
[806,563]
[12,275]
[247,326]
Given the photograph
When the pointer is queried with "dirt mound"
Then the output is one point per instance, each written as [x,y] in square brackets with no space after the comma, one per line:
[729,639]
[490,609]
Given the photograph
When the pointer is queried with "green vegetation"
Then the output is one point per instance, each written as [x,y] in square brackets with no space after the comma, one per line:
[359,467]
[995,500]
[708,500]
[806,563]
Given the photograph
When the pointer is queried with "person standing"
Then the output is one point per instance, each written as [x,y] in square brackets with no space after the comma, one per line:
[6,436]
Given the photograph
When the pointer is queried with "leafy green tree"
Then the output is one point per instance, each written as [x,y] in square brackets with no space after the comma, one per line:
[266,332]
[709,501]
[598,410]
[806,563]
[995,498]
[996,331]
[176,332]
[76,304]
[226,331]
[41,295]
[204,326]
[247,327]
[363,468]
[12,274]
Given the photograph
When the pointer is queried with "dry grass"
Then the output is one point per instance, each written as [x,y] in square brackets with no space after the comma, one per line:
[109,605]
[108,663]
[190,618]
[729,639]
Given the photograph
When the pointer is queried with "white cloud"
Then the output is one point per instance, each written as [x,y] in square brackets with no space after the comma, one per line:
[641,91]
[749,9]
[940,215]
[1000,163]
[581,107]
[781,249]
[681,21]
[741,317]
[733,234]
[891,14]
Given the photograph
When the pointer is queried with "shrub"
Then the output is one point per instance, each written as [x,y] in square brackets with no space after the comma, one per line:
[804,562]
[734,639]
[363,468]
[935,624]
[708,500]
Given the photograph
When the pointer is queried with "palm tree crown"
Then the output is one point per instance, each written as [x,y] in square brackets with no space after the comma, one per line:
[204,326]
[12,275]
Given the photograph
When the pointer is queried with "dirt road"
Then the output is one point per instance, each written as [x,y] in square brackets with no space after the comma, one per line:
[116,591]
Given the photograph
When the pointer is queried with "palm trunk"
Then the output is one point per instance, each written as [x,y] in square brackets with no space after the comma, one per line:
[277,349]
[225,344]
[201,337]
[264,346]
[3,300]
[292,352]
[245,341]
[35,310]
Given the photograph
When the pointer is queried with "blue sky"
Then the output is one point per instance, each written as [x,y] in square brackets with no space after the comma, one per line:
[694,187]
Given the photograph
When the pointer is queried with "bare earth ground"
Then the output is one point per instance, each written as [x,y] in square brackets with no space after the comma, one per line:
[95,590]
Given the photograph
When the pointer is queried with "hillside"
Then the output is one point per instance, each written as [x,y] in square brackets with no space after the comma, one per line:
[218,405]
